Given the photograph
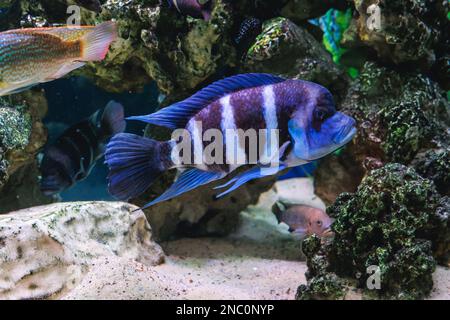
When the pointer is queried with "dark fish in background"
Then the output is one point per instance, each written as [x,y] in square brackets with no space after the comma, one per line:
[248,31]
[250,28]
[195,8]
[71,158]
[303,220]
[92,5]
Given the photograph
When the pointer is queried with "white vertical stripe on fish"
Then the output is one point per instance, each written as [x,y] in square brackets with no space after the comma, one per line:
[270,108]
[235,154]
[196,130]
[175,154]
[270,116]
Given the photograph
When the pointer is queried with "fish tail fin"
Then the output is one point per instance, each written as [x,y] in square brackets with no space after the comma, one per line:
[134,162]
[95,44]
[113,119]
[277,209]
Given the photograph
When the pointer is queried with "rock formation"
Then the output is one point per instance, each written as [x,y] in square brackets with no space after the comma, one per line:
[44,251]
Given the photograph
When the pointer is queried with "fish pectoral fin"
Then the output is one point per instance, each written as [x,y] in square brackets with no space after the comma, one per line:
[187,181]
[64,70]
[82,173]
[300,232]
[252,174]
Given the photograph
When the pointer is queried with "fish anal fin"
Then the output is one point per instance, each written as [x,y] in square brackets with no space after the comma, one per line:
[16,89]
[64,70]
[187,181]
[252,174]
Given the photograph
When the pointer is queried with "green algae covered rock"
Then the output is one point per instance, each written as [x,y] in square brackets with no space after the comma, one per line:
[15,127]
[435,165]
[409,30]
[286,49]
[15,131]
[155,42]
[395,222]
[399,116]
[158,44]
[22,135]
[322,284]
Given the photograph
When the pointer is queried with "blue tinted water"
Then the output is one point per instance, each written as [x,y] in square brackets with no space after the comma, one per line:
[74,99]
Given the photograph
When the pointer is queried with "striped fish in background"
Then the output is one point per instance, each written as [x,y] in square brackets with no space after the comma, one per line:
[303,113]
[74,154]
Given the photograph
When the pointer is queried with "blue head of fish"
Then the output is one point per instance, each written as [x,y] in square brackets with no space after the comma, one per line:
[316,128]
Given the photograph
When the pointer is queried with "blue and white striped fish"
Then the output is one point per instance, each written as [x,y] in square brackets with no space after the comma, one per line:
[303,113]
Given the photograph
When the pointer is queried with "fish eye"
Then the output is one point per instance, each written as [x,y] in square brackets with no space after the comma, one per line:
[320,114]
[319,223]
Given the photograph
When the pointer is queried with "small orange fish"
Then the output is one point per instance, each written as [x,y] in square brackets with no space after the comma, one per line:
[304,220]
[32,56]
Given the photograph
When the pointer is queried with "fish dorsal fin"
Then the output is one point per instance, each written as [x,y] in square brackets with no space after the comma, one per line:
[178,115]
[64,33]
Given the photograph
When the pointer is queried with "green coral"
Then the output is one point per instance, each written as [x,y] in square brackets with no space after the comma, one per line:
[394,221]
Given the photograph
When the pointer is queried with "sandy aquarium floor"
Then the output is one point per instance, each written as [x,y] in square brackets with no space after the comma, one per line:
[259,261]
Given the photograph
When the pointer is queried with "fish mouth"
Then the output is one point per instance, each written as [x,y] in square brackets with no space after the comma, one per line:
[328,233]
[345,135]
[50,186]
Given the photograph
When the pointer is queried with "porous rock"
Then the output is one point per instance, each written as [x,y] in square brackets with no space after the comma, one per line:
[45,251]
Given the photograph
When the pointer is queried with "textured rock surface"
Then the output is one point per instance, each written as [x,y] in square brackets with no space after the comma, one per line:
[45,251]
[398,116]
[412,31]
[300,10]
[15,131]
[396,221]
[233,267]
[435,165]
[286,49]
[22,135]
